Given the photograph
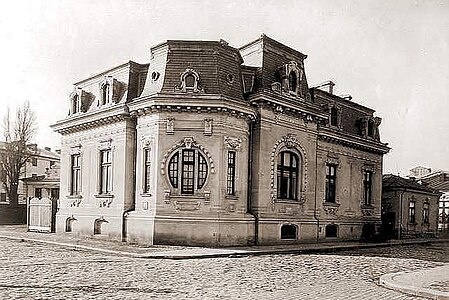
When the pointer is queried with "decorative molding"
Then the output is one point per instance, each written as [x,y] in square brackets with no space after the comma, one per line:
[147,141]
[75,149]
[170,126]
[208,126]
[288,141]
[105,145]
[330,210]
[74,202]
[187,142]
[196,88]
[232,143]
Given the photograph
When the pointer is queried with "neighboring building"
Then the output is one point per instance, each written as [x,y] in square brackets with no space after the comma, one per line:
[214,145]
[440,181]
[419,171]
[40,178]
[409,209]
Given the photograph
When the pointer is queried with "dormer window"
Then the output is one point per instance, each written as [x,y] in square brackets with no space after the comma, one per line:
[75,104]
[370,128]
[105,93]
[334,116]
[292,81]
[190,82]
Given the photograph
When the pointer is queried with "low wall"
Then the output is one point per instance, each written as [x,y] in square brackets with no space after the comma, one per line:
[13,214]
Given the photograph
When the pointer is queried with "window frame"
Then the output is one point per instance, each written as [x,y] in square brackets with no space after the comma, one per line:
[146,170]
[287,186]
[333,116]
[188,170]
[292,81]
[230,174]
[105,180]
[368,187]
[426,213]
[75,174]
[412,211]
[331,183]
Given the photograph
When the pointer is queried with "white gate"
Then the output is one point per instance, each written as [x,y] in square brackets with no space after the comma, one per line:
[40,214]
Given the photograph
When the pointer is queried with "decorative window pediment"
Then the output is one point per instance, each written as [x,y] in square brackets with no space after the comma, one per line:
[111,91]
[290,77]
[190,82]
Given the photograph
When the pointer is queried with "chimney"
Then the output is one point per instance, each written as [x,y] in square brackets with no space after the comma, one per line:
[47,148]
[330,84]
[58,151]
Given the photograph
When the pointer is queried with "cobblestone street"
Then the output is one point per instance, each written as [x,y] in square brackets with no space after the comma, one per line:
[36,271]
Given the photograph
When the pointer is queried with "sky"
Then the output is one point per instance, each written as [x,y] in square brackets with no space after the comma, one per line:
[392,56]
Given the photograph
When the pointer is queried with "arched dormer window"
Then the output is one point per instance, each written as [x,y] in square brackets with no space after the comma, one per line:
[292,81]
[190,82]
[75,104]
[105,93]
[287,175]
[334,116]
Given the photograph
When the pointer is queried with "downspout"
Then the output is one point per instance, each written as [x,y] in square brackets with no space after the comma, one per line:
[400,214]
[134,166]
[315,215]
[250,185]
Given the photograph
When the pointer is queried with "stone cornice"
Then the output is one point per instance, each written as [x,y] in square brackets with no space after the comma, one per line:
[200,103]
[352,141]
[96,118]
[283,104]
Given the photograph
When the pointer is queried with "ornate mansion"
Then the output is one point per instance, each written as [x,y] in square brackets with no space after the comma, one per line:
[214,145]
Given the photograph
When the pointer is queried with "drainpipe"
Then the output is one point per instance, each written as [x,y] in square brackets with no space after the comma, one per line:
[250,185]
[315,215]
[400,214]
[134,166]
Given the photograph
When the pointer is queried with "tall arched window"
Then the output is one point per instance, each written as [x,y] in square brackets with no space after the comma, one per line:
[371,128]
[287,175]
[292,81]
[75,104]
[105,93]
[187,170]
[190,81]
[334,116]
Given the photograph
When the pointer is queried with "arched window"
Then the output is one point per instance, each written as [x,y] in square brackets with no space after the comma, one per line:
[188,170]
[292,81]
[331,230]
[190,82]
[75,104]
[68,224]
[287,175]
[105,93]
[98,224]
[288,232]
[334,116]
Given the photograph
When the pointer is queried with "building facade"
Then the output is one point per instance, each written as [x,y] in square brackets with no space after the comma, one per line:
[409,209]
[439,180]
[39,178]
[214,145]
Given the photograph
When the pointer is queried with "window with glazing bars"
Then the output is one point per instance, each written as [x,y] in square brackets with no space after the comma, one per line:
[202,171]
[188,171]
[425,213]
[75,178]
[287,175]
[230,176]
[146,170]
[105,171]
[331,177]
[411,211]
[173,168]
[367,187]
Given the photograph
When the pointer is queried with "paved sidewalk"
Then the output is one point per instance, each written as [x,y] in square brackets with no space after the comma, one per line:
[98,244]
[430,283]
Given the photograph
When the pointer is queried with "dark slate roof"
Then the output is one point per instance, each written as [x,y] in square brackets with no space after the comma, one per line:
[390,181]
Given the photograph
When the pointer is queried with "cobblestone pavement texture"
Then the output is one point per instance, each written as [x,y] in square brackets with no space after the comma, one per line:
[39,271]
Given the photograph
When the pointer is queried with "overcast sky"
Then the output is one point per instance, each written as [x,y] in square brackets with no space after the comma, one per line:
[392,56]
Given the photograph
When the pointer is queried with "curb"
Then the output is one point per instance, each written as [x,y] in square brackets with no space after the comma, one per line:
[231,253]
[388,281]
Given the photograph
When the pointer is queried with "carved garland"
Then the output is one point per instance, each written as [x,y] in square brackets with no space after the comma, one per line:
[187,142]
[289,141]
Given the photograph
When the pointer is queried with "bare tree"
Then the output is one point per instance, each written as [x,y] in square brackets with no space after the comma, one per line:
[14,153]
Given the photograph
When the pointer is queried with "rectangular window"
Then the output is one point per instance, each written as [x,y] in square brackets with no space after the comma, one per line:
[34,161]
[38,193]
[188,171]
[75,183]
[425,213]
[2,197]
[367,187]
[105,171]
[230,176]
[411,211]
[146,170]
[331,177]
